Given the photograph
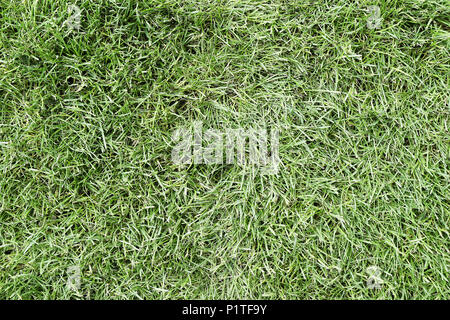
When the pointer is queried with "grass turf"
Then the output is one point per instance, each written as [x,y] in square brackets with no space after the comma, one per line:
[86,177]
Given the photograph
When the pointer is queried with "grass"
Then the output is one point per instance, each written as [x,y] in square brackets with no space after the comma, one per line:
[86,177]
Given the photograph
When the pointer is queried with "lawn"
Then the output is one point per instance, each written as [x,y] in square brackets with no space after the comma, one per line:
[359,207]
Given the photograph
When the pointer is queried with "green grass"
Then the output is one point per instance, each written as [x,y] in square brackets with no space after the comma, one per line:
[86,176]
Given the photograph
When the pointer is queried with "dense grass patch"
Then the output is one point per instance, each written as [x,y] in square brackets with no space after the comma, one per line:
[86,176]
